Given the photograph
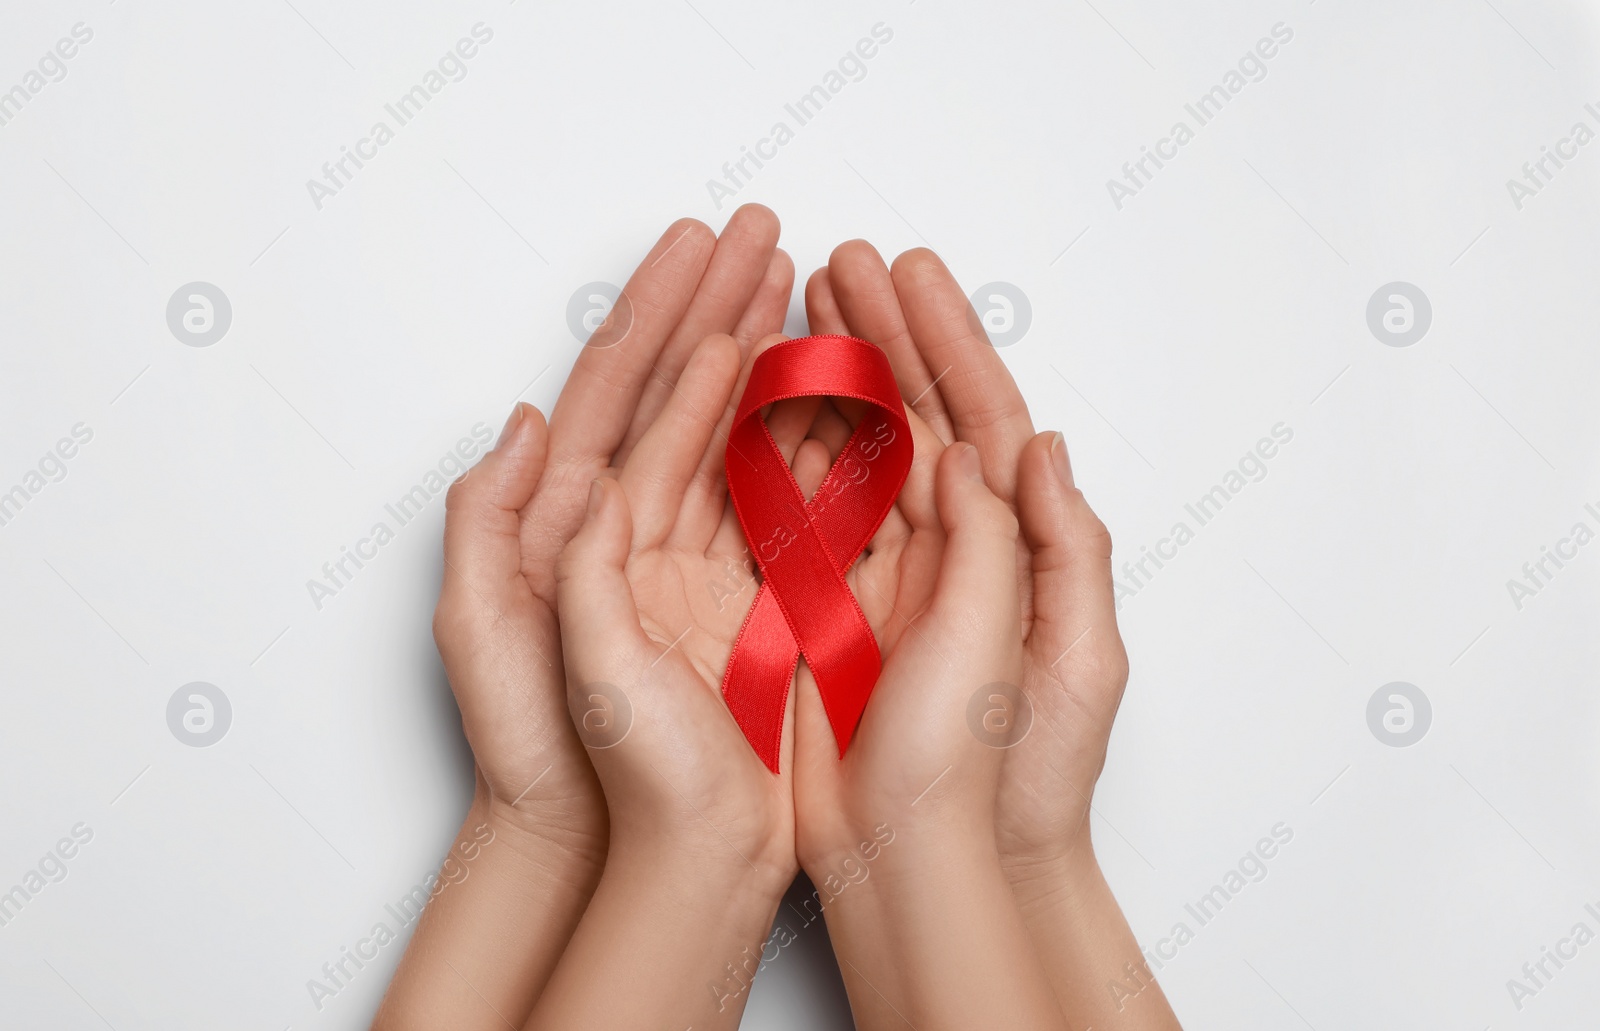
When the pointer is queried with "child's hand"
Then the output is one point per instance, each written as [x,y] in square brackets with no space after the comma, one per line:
[646,640]
[899,832]
[914,744]
[653,591]
[893,582]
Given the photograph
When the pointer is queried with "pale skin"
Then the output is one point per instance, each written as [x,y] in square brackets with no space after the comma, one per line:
[931,936]
[702,834]
[486,946]
[704,837]
[1074,665]
[696,848]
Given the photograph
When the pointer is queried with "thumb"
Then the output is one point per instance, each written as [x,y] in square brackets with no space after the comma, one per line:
[482,546]
[600,633]
[977,579]
[1074,596]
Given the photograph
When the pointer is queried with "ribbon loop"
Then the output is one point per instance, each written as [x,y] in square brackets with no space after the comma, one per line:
[804,547]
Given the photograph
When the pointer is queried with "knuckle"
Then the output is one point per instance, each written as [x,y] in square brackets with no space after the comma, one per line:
[1113,666]
[577,559]
[1087,532]
[1003,521]
[981,408]
[1095,678]
[567,563]
[460,493]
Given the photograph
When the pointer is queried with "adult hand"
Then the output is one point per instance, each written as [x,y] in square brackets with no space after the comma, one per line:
[535,837]
[1074,665]
[507,522]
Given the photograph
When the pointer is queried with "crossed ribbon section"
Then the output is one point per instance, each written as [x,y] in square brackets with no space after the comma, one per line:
[804,547]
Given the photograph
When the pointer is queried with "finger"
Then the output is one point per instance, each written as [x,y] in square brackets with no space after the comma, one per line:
[830,427]
[788,422]
[822,307]
[867,299]
[977,582]
[1074,599]
[916,498]
[813,744]
[728,544]
[663,464]
[597,404]
[482,552]
[816,750]
[770,306]
[985,406]
[601,636]
[708,491]
[894,589]
[811,464]
[736,271]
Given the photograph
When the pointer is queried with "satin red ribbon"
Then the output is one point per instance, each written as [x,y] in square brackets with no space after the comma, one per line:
[804,547]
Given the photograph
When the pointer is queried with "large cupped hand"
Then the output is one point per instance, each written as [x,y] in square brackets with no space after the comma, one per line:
[508,520]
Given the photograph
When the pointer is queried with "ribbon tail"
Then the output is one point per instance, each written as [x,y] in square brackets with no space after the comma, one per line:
[845,680]
[756,685]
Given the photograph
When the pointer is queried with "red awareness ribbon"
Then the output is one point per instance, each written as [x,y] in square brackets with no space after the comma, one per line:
[804,547]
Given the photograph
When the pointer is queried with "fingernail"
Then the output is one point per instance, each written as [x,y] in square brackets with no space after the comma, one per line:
[597,494]
[970,463]
[1063,464]
[511,424]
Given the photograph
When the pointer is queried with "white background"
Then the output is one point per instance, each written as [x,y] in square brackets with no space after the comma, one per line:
[1227,296]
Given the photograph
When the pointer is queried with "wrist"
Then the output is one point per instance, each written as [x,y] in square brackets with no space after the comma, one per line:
[848,858]
[693,865]
[562,845]
[905,837]
[1069,879]
[674,932]
[898,867]
[933,926]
